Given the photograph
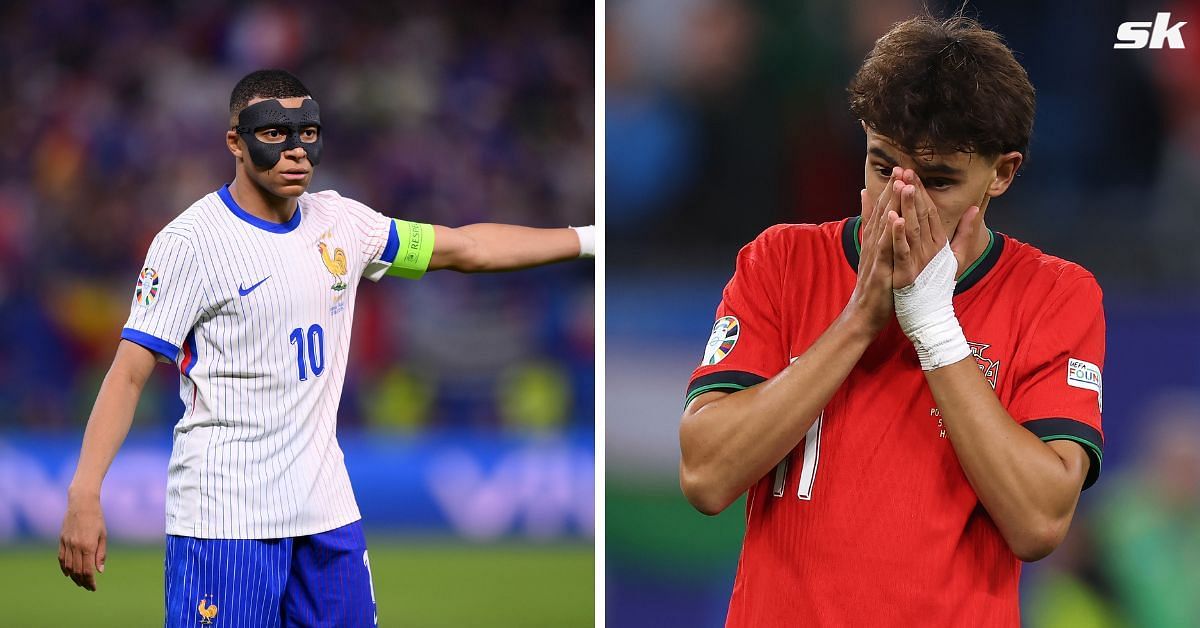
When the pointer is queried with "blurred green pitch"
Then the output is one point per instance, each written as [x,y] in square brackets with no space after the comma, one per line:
[419,584]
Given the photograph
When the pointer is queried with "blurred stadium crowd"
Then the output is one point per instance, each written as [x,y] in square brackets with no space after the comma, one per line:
[449,113]
[726,116]
[720,106]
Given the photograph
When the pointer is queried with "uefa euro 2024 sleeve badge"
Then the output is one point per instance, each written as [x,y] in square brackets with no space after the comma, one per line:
[145,293]
[724,336]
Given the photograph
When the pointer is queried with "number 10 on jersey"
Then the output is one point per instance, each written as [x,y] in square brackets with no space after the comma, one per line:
[315,350]
[808,464]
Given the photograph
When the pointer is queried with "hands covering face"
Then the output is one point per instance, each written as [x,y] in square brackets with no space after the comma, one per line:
[923,265]
[902,231]
[917,230]
[872,294]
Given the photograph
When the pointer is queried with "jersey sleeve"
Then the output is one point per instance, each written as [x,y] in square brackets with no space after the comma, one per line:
[167,297]
[746,345]
[391,246]
[1059,393]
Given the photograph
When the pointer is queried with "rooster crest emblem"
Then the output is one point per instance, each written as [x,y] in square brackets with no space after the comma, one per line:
[989,367]
[335,263]
[207,611]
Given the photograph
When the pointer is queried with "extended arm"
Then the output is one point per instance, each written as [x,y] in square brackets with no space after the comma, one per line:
[488,247]
[82,545]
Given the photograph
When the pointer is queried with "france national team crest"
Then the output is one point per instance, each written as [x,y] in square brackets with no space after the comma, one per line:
[990,368]
[335,263]
[207,610]
[720,343]
[145,293]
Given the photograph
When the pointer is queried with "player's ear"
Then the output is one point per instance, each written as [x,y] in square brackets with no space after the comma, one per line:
[1005,168]
[231,142]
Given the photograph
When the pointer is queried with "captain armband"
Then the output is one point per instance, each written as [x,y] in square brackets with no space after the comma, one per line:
[409,249]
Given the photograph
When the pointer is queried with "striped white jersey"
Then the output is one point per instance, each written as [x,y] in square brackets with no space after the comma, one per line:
[257,315]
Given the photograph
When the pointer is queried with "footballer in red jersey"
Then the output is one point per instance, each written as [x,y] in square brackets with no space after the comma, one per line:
[910,400]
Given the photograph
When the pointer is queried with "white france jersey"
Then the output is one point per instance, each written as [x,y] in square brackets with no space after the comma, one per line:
[257,316]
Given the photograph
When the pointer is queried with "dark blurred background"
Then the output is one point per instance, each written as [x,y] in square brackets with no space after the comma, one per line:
[468,412]
[724,117]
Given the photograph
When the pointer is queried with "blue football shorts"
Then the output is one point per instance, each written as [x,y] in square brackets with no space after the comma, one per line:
[318,580]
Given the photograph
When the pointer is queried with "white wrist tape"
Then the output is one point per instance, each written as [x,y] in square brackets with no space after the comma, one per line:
[926,313]
[587,240]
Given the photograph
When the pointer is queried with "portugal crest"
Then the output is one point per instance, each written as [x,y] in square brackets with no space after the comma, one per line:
[989,367]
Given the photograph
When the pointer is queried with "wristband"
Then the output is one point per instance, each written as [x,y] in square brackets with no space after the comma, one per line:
[925,311]
[587,240]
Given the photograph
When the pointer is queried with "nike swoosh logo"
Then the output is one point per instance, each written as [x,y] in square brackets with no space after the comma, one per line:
[244,291]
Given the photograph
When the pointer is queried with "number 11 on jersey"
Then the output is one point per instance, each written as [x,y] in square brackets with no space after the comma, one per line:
[808,464]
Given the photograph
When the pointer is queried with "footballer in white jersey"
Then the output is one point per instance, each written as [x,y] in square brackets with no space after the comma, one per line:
[250,294]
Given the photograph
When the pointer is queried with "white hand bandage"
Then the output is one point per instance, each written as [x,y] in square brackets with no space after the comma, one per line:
[926,313]
[587,240]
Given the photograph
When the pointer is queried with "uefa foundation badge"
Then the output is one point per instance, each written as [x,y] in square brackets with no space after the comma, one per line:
[146,291]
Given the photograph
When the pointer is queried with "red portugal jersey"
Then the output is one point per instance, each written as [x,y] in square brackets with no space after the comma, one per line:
[870,520]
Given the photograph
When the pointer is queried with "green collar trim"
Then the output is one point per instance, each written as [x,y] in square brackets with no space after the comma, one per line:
[969,277]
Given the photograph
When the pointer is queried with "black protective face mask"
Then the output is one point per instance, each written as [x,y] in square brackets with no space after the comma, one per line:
[269,114]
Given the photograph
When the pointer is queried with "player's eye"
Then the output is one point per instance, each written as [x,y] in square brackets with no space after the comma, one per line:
[309,134]
[939,184]
[884,171]
[272,136]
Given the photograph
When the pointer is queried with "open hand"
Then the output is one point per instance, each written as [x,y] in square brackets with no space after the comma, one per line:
[83,545]
[872,296]
[918,234]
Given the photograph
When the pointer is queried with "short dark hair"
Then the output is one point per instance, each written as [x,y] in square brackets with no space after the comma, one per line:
[946,85]
[264,84]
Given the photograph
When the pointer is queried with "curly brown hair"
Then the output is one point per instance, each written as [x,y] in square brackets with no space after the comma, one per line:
[946,85]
